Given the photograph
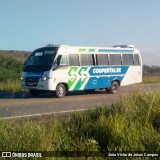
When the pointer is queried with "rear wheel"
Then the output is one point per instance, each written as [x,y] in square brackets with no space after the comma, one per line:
[60,91]
[114,88]
[108,90]
[34,92]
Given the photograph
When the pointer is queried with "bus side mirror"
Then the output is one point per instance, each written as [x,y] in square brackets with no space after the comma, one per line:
[55,63]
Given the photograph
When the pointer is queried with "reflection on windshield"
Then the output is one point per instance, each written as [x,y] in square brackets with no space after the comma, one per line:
[40,60]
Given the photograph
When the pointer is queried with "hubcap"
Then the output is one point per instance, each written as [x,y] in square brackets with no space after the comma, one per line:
[115,87]
[60,91]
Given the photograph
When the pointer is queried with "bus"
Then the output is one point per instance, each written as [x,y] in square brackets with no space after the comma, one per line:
[63,68]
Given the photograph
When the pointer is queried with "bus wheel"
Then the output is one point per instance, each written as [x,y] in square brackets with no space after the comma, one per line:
[108,90]
[60,91]
[34,92]
[114,88]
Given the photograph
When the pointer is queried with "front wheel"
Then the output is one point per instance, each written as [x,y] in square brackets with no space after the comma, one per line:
[114,88]
[60,91]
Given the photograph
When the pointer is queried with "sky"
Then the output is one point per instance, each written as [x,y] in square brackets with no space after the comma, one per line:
[30,24]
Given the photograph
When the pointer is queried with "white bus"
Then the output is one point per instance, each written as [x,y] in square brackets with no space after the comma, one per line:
[71,68]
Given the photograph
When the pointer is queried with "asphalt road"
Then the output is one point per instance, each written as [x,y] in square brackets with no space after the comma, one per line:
[22,104]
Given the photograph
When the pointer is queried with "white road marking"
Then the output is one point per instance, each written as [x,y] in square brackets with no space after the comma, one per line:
[44,114]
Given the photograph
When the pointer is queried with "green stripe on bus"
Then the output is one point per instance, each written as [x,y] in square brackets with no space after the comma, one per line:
[82,50]
[70,83]
[79,84]
[82,69]
[91,50]
[72,71]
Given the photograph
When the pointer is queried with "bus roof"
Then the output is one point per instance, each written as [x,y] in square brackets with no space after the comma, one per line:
[93,49]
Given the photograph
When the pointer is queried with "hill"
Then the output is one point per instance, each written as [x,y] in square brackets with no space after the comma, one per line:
[20,55]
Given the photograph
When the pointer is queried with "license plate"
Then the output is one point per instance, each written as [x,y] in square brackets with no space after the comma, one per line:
[30,84]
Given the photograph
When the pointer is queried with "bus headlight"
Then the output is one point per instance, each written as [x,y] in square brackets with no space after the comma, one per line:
[45,78]
[22,78]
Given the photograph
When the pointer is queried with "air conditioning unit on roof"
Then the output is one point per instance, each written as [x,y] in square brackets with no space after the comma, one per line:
[124,46]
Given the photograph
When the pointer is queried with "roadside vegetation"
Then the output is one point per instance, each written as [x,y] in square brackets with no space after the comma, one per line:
[10,71]
[151,79]
[132,124]
[151,74]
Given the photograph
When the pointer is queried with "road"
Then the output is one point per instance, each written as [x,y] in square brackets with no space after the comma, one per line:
[21,104]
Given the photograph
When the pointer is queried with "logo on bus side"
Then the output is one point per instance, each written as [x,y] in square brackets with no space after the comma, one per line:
[108,70]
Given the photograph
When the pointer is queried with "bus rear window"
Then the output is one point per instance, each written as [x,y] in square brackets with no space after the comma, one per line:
[136,60]
[127,59]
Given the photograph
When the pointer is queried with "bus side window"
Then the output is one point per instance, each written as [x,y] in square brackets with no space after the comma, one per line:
[91,61]
[76,59]
[102,59]
[127,59]
[106,59]
[63,60]
[136,60]
[115,59]
[87,60]
[73,60]
[84,60]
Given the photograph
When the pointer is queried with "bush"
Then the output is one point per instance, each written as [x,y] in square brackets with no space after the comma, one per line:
[10,68]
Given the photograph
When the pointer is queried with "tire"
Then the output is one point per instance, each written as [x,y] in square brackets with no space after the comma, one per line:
[114,88]
[89,91]
[60,91]
[108,90]
[34,92]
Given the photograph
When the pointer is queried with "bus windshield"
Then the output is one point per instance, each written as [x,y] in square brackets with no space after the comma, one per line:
[40,60]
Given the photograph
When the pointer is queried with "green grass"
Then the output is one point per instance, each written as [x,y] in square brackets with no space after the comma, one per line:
[132,124]
[10,85]
[151,79]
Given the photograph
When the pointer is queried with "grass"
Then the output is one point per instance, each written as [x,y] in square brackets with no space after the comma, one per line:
[132,124]
[10,85]
[151,79]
